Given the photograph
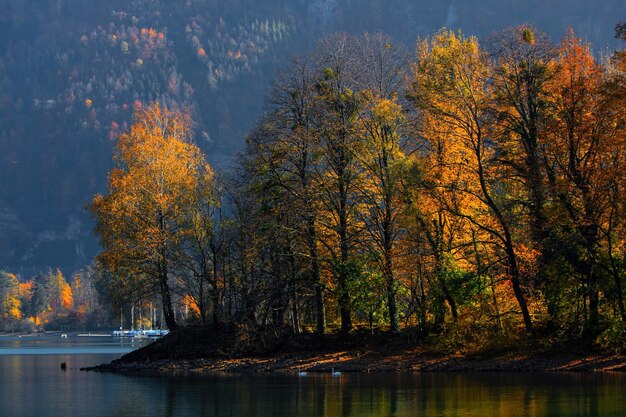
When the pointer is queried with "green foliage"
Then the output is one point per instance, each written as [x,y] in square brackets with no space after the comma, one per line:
[620,31]
[367,289]
[528,36]
[464,285]
[613,337]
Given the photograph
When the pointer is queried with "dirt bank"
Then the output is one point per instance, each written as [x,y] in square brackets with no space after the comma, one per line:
[201,349]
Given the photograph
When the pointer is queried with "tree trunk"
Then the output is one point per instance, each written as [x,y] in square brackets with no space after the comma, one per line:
[201,301]
[166,299]
[388,244]
[617,281]
[215,316]
[591,328]
[517,288]
[437,247]
[344,296]
[507,240]
[320,317]
[215,295]
[294,308]
[391,293]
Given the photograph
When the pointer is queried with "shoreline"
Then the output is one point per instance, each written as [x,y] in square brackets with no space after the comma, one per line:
[200,350]
[324,364]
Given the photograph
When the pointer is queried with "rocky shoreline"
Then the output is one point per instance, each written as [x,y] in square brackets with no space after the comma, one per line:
[200,350]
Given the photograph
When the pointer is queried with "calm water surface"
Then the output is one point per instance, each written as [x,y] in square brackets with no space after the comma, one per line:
[32,384]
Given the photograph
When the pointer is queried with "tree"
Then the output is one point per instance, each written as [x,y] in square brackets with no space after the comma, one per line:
[620,56]
[84,291]
[381,158]
[39,304]
[583,168]
[522,70]
[287,154]
[383,130]
[199,255]
[10,306]
[60,297]
[337,113]
[452,92]
[142,221]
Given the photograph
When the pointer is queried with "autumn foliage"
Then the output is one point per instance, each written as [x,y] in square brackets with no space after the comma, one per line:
[52,301]
[468,189]
[143,221]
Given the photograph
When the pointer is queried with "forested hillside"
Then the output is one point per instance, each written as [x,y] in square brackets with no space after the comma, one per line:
[72,72]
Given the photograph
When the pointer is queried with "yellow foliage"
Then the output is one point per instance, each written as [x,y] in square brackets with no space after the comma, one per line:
[15,311]
[158,177]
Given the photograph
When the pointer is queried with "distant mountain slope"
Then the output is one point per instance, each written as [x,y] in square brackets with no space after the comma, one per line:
[72,71]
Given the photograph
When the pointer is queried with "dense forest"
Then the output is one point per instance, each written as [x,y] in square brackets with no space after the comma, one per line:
[459,186]
[72,73]
[48,300]
[475,189]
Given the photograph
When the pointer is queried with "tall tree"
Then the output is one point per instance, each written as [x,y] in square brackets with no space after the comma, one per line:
[522,58]
[59,292]
[339,105]
[381,159]
[142,220]
[291,157]
[452,91]
[10,306]
[583,173]
[198,256]
[383,130]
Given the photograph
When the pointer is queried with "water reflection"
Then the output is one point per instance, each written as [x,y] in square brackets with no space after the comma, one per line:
[383,395]
[34,385]
[51,345]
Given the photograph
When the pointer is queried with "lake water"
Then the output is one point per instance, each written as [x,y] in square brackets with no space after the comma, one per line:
[32,384]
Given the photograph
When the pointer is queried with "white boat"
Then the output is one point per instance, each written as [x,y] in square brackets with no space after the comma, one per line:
[140,333]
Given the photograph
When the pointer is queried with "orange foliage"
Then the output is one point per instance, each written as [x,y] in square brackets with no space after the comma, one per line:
[66,296]
[26,289]
[190,302]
